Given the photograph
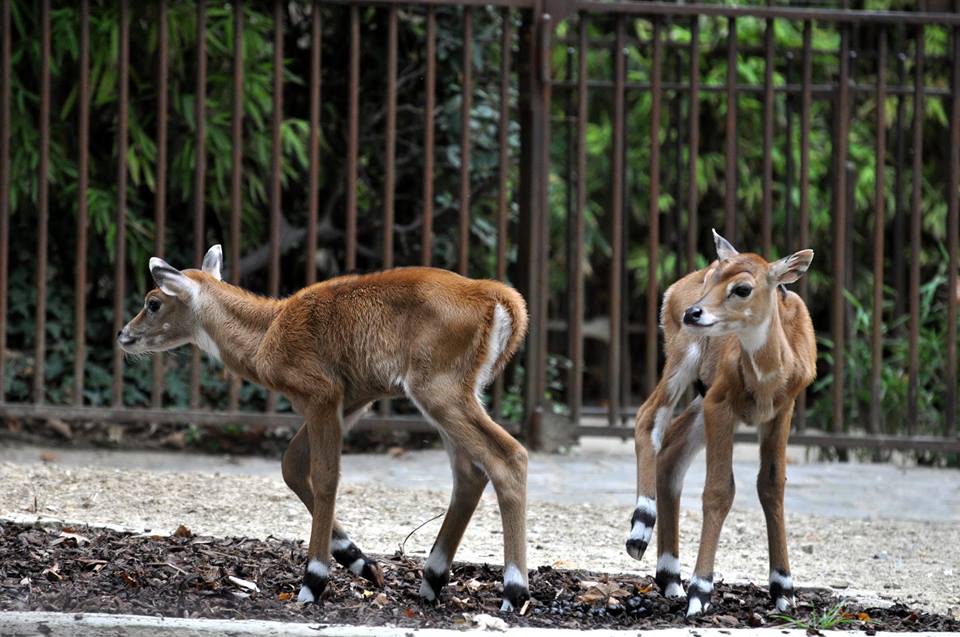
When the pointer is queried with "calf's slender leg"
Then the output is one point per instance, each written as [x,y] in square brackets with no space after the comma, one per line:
[770,485]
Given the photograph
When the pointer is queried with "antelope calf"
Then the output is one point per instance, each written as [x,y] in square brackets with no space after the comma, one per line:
[333,348]
[747,345]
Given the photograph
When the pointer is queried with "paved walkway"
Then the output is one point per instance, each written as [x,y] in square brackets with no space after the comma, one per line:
[599,471]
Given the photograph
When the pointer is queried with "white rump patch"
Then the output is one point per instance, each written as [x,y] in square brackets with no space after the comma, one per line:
[500,332]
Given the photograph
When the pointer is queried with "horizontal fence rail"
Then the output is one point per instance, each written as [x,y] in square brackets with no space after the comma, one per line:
[580,149]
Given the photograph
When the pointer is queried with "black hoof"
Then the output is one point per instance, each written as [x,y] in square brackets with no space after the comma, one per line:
[433,584]
[514,597]
[641,529]
[699,593]
[781,589]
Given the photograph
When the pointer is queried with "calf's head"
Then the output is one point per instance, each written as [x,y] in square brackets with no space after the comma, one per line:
[169,317]
[739,290]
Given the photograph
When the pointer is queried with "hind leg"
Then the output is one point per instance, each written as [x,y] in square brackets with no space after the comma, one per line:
[295,467]
[501,459]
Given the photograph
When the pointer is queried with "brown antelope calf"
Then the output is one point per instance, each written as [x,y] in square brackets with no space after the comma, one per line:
[333,348]
[747,345]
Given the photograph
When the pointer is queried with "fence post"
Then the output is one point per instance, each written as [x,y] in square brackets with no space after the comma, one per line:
[534,115]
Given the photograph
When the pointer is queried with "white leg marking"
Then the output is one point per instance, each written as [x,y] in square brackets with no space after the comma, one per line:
[356,567]
[647,505]
[340,544]
[783,602]
[499,337]
[695,606]
[436,563]
[512,575]
[668,563]
[785,581]
[674,591]
[318,568]
[692,446]
[660,421]
[640,531]
[305,596]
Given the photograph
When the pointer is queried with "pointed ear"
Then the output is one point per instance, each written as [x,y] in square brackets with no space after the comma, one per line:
[724,249]
[213,262]
[172,281]
[789,269]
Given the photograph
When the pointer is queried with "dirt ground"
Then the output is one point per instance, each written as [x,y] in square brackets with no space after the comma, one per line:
[909,561]
[79,570]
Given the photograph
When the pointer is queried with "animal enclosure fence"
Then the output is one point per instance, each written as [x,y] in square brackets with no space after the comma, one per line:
[580,149]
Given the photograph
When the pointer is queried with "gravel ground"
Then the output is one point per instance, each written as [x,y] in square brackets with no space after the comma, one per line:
[896,559]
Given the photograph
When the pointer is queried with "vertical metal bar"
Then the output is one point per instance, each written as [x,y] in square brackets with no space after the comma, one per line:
[915,228]
[789,246]
[390,141]
[466,105]
[120,254]
[676,115]
[951,425]
[653,228]
[4,183]
[426,236]
[730,191]
[899,229]
[160,194]
[276,154]
[547,26]
[879,218]
[694,117]
[766,223]
[43,207]
[313,187]
[575,382]
[503,173]
[236,177]
[806,101]
[616,240]
[199,175]
[838,305]
[353,134]
[80,264]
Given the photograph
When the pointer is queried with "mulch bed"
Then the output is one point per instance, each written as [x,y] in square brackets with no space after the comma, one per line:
[92,570]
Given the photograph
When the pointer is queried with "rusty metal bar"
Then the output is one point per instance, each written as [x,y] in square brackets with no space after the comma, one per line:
[577,255]
[789,246]
[653,227]
[466,105]
[209,418]
[503,173]
[276,153]
[616,241]
[915,230]
[542,165]
[120,254]
[766,223]
[236,177]
[390,139]
[5,80]
[879,219]
[899,229]
[694,119]
[951,425]
[313,186]
[819,91]
[841,16]
[430,80]
[730,189]
[813,438]
[160,193]
[43,208]
[80,263]
[199,176]
[838,305]
[353,134]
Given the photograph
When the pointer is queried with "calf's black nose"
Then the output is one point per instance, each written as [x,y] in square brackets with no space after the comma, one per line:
[692,315]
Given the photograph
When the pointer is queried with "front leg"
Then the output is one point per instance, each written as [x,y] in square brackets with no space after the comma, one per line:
[718,492]
[324,437]
[770,483]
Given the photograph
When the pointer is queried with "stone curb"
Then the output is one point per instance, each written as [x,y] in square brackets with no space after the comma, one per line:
[41,624]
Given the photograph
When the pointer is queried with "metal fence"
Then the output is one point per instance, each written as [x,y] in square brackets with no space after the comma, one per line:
[545,89]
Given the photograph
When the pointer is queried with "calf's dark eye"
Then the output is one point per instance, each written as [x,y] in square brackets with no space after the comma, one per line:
[743,291]
[153,305]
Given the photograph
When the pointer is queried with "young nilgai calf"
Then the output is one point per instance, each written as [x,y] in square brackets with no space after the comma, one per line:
[747,346]
[333,348]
